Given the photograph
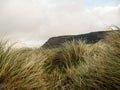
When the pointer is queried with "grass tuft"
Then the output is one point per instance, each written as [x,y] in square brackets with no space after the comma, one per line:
[73,66]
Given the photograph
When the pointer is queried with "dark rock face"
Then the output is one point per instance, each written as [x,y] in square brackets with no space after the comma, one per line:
[92,37]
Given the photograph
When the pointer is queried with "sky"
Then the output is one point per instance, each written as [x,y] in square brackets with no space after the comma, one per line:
[32,22]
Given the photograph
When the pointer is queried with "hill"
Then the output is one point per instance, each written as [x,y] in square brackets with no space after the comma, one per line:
[92,37]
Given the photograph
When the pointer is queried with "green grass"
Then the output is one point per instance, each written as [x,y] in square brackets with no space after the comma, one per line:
[74,66]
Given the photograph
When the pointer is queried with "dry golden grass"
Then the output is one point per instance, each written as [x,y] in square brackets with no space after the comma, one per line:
[74,66]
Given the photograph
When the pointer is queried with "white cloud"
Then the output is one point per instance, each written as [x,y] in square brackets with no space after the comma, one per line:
[34,21]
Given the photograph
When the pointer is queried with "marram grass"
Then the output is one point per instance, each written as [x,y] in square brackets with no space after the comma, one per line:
[91,69]
[19,71]
[74,66]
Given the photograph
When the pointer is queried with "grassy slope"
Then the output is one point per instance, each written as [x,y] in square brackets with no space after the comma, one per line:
[74,66]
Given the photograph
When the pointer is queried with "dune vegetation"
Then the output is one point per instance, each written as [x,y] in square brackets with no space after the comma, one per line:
[74,66]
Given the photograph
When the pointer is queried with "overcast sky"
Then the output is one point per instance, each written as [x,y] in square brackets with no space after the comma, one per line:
[32,22]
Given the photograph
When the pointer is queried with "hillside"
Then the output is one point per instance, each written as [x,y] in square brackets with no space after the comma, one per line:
[92,37]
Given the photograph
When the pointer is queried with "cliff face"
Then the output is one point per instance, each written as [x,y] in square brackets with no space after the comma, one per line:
[92,37]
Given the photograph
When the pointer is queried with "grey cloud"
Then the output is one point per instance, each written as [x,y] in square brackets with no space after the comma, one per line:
[37,20]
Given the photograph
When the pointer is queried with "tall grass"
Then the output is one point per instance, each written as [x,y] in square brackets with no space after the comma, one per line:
[74,66]
[81,67]
[19,70]
[113,40]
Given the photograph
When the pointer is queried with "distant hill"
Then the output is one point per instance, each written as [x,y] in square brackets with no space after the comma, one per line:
[92,37]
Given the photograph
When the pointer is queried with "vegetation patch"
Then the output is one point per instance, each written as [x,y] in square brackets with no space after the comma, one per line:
[73,66]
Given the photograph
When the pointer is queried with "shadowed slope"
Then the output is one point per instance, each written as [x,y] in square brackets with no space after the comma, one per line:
[92,37]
